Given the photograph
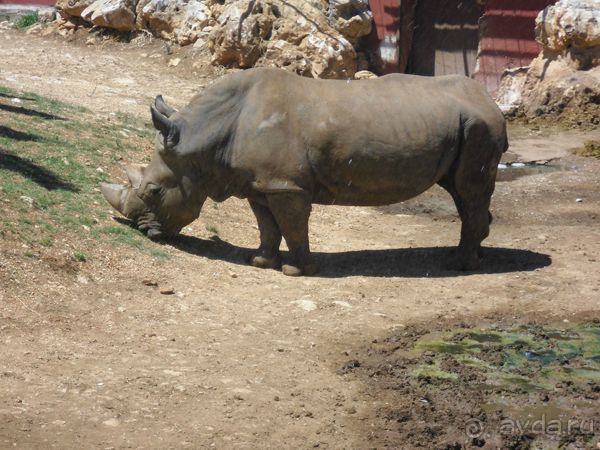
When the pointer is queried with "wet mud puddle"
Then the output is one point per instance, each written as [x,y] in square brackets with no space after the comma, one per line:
[526,386]
[511,171]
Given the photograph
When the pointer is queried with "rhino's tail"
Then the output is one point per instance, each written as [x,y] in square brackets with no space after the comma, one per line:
[506,144]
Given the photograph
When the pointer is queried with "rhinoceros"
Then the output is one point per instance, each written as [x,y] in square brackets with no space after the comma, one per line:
[285,142]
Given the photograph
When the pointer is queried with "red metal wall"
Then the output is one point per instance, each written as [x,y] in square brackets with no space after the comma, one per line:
[445,36]
[507,38]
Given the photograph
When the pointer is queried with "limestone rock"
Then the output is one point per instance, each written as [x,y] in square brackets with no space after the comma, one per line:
[510,92]
[569,23]
[72,7]
[352,18]
[331,57]
[177,20]
[356,26]
[554,88]
[116,14]
[240,35]
[364,75]
[280,53]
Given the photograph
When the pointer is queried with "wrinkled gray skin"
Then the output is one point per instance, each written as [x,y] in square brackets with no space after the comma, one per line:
[285,142]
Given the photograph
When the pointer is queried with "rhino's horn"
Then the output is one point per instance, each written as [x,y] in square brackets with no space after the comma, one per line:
[113,193]
[167,127]
[135,173]
[162,107]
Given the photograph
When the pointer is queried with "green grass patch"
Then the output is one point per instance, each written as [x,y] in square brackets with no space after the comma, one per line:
[27,20]
[52,157]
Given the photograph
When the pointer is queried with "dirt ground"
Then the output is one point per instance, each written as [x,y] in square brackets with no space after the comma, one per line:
[238,357]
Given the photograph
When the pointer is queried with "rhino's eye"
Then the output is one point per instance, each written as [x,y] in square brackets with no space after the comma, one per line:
[152,189]
[150,192]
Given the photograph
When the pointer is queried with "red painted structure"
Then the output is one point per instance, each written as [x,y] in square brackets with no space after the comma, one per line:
[28,2]
[507,38]
[471,37]
[393,20]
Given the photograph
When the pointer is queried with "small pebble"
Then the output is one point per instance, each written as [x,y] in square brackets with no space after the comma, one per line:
[149,282]
[111,423]
[167,291]
[578,200]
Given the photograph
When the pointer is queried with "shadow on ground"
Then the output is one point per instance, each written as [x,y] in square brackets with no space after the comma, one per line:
[35,173]
[16,135]
[20,97]
[402,262]
[29,112]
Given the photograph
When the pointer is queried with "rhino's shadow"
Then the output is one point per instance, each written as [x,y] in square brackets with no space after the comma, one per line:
[402,262]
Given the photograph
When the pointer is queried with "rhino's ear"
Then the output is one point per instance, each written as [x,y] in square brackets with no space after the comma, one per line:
[162,107]
[167,127]
[135,173]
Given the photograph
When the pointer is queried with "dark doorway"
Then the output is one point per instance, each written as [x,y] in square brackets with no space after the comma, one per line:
[446,37]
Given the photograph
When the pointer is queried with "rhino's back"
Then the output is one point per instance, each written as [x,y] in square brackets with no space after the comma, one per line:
[352,142]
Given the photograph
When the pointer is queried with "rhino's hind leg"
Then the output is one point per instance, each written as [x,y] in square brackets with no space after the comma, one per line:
[292,211]
[472,203]
[268,255]
[471,183]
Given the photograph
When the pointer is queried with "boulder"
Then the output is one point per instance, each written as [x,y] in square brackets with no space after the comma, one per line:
[239,37]
[554,89]
[331,57]
[282,33]
[116,14]
[352,18]
[355,27]
[569,23]
[72,7]
[181,21]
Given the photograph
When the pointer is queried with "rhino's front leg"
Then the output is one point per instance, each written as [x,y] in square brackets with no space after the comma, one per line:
[267,256]
[292,211]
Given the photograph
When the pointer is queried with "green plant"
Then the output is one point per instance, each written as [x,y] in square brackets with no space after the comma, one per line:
[27,20]
[212,229]
[78,256]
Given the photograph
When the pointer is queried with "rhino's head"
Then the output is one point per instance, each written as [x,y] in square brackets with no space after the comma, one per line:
[163,196]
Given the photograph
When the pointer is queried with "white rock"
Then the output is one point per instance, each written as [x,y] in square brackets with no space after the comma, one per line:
[115,14]
[28,200]
[305,304]
[111,422]
[569,23]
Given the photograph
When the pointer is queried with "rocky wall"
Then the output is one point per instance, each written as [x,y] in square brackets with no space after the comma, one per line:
[311,37]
